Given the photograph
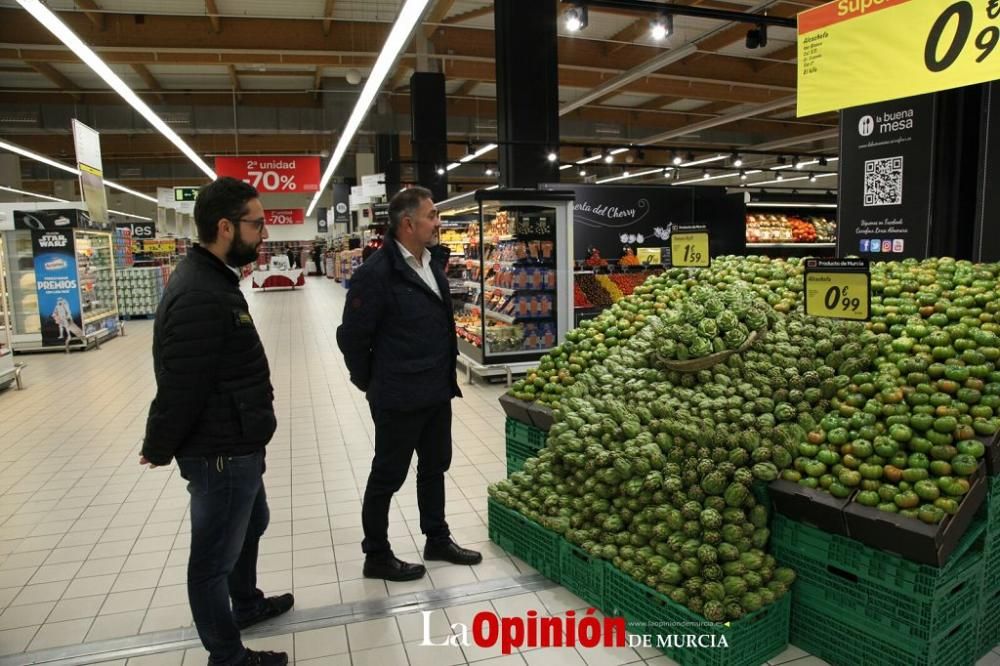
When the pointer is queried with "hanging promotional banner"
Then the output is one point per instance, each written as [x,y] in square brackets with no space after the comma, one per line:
[273,174]
[56,283]
[322,226]
[886,166]
[282,216]
[853,52]
[88,160]
[140,230]
[342,204]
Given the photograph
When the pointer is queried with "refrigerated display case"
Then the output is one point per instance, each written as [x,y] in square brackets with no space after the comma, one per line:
[61,277]
[517,274]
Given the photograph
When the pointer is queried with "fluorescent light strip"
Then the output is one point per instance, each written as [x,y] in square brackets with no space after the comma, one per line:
[91,59]
[783,180]
[588,160]
[452,166]
[122,188]
[138,217]
[68,169]
[826,175]
[410,15]
[565,166]
[479,153]
[706,160]
[32,194]
[619,151]
[637,174]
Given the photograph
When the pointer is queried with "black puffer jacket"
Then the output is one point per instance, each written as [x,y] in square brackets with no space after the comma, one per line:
[213,384]
[397,335]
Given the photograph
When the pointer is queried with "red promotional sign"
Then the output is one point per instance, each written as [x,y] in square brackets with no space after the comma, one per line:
[280,216]
[273,174]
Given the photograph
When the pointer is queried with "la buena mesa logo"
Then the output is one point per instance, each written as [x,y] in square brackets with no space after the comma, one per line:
[533,631]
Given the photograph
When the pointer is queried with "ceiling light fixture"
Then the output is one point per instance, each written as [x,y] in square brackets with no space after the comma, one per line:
[410,16]
[780,177]
[553,156]
[757,37]
[628,174]
[706,160]
[563,167]
[489,171]
[440,172]
[822,161]
[661,27]
[32,194]
[737,160]
[138,217]
[453,166]
[583,172]
[92,60]
[704,173]
[677,159]
[575,18]
[609,158]
[743,175]
[479,153]
[812,178]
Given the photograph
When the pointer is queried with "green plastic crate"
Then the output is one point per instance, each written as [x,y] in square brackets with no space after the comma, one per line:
[582,573]
[751,641]
[840,640]
[524,538]
[989,623]
[517,453]
[903,618]
[886,571]
[525,434]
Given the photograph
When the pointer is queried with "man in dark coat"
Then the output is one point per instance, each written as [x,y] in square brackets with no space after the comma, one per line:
[398,340]
[213,412]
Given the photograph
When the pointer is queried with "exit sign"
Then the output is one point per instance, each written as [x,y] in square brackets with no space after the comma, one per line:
[185,193]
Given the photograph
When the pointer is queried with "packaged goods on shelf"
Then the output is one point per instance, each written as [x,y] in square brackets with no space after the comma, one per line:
[781,228]
[140,289]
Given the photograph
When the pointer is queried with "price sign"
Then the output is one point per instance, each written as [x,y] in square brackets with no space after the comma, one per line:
[650,256]
[162,245]
[290,174]
[855,52]
[689,247]
[838,289]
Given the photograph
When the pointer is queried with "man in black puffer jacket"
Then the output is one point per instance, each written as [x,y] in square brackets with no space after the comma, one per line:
[213,412]
[398,340]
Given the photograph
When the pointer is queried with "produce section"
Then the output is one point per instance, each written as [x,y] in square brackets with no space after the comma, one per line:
[780,228]
[676,403]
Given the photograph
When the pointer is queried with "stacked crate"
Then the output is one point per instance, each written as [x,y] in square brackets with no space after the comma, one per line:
[523,442]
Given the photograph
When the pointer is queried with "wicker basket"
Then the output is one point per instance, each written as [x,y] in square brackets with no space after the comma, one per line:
[705,362]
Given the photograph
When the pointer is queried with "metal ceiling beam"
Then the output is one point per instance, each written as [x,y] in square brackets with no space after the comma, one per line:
[825,135]
[654,8]
[92,11]
[58,78]
[234,80]
[213,16]
[721,120]
[466,88]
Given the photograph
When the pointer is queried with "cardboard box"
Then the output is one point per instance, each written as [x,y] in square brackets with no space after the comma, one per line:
[913,539]
[814,507]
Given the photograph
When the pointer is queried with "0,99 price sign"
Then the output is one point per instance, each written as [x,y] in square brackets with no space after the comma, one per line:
[838,289]
[854,52]
[689,247]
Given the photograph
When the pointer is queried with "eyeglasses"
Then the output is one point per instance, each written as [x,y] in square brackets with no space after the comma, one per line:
[258,223]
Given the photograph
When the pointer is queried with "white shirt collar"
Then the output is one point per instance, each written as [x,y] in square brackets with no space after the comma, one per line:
[407,255]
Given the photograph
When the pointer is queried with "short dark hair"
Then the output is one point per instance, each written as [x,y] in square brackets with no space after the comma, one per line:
[224,198]
[406,202]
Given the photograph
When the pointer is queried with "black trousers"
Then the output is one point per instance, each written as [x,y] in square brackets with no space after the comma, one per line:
[397,435]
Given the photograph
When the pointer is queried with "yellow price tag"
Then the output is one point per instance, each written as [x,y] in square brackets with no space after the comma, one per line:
[838,290]
[689,249]
[650,256]
[855,52]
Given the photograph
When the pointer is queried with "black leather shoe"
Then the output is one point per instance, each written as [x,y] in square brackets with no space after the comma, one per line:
[254,658]
[449,551]
[394,569]
[272,607]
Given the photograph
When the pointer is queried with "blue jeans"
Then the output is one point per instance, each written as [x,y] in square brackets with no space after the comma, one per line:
[228,516]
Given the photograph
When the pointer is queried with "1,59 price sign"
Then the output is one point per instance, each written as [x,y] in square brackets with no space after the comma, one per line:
[854,52]
[689,247]
[838,288]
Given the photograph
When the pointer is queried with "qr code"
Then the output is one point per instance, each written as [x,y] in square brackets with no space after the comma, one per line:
[884,182]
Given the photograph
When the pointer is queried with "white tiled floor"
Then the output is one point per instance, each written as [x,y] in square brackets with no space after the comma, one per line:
[93,547]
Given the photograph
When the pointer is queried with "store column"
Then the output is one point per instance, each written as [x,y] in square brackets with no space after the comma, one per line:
[387,161]
[986,243]
[429,119]
[527,91]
